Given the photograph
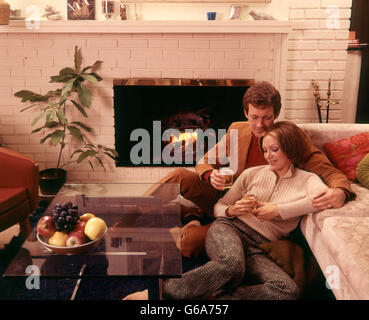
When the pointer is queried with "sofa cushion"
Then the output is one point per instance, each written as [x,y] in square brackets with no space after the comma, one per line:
[11,197]
[362,171]
[322,133]
[347,240]
[356,208]
[346,153]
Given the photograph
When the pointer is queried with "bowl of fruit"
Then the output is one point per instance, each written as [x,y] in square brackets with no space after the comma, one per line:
[68,232]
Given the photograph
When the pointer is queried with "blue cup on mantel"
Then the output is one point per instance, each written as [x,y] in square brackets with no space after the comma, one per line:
[212,15]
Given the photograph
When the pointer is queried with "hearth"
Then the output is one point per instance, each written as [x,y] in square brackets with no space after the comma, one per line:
[172,122]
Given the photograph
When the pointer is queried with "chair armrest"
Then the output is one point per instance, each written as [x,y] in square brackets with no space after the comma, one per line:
[17,170]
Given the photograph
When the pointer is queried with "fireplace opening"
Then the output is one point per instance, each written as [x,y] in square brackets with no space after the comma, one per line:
[167,122]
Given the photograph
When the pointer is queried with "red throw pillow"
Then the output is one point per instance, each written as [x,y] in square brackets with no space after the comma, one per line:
[346,153]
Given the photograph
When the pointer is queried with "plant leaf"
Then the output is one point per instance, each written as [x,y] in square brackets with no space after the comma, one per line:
[80,108]
[45,138]
[62,78]
[101,163]
[57,136]
[62,100]
[89,77]
[37,130]
[67,88]
[29,107]
[51,124]
[113,151]
[85,154]
[49,117]
[36,119]
[110,156]
[61,117]
[27,95]
[96,76]
[75,152]
[83,126]
[56,92]
[91,165]
[95,66]
[67,71]
[75,132]
[84,95]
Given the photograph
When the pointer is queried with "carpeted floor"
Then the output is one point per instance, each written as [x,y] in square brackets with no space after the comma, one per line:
[50,289]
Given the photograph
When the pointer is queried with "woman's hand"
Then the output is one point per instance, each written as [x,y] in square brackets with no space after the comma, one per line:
[240,207]
[266,211]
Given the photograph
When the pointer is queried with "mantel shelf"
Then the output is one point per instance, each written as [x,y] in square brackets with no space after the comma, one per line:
[93,26]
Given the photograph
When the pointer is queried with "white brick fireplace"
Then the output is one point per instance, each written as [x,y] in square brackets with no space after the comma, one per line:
[197,50]
[287,53]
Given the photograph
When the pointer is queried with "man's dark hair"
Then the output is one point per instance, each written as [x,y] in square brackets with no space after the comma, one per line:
[262,95]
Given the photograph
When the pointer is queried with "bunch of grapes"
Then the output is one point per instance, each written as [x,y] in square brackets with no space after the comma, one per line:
[65,216]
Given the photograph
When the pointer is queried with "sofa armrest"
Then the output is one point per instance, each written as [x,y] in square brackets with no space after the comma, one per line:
[17,170]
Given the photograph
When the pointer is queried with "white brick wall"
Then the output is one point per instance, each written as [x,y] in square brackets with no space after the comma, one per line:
[28,60]
[317,50]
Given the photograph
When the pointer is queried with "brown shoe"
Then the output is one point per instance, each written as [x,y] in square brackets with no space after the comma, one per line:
[193,239]
[185,211]
[191,224]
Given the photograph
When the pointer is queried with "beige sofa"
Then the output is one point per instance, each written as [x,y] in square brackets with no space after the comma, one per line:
[339,238]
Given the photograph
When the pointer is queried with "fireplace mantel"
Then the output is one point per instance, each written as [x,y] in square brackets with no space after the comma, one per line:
[238,26]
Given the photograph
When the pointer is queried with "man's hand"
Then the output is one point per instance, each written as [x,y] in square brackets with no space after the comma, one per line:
[329,198]
[217,180]
[266,211]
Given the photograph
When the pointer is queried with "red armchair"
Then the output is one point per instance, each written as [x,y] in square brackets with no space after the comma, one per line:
[19,181]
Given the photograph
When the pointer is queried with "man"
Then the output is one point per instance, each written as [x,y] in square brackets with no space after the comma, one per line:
[262,104]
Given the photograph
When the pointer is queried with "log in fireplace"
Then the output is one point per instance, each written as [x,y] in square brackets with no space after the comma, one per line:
[172,122]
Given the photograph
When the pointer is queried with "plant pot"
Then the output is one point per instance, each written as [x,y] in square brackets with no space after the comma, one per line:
[51,180]
[4,12]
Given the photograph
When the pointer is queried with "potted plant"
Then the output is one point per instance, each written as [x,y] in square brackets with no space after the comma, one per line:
[59,124]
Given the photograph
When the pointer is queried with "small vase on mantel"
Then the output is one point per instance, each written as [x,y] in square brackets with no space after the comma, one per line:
[4,12]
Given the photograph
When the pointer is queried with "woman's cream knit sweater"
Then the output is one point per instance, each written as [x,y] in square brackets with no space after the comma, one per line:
[292,194]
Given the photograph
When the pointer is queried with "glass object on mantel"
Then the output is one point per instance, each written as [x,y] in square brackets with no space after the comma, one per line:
[108,8]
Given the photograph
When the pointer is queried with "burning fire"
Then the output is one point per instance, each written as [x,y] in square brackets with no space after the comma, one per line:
[187,137]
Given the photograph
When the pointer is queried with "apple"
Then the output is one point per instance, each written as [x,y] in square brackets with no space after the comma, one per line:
[45,226]
[80,226]
[59,239]
[95,228]
[86,216]
[75,238]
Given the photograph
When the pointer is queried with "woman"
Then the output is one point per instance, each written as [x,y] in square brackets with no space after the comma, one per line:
[284,194]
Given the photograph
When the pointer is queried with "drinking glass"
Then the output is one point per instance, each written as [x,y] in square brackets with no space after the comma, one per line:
[227,173]
[250,196]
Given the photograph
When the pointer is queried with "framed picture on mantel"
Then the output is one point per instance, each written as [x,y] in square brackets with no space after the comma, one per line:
[81,9]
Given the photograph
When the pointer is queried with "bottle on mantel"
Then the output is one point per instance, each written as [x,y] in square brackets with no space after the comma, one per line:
[4,12]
